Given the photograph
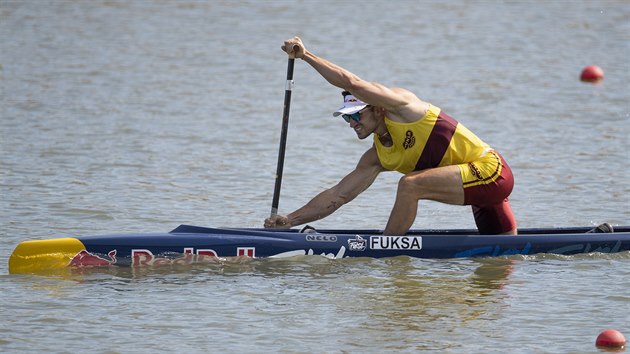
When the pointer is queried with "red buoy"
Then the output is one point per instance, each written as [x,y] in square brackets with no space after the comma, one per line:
[611,338]
[592,73]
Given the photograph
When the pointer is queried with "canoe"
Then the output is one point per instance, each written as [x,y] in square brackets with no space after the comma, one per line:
[191,244]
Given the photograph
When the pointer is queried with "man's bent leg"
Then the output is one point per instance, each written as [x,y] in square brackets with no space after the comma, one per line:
[441,184]
[495,219]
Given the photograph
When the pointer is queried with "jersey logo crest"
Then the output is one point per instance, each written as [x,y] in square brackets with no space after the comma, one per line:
[410,140]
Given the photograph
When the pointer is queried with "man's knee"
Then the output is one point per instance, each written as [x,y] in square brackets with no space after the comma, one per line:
[410,185]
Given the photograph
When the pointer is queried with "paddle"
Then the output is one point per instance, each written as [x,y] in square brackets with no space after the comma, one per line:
[283,135]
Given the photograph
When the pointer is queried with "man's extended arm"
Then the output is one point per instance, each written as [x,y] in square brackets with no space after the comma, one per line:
[398,102]
[332,199]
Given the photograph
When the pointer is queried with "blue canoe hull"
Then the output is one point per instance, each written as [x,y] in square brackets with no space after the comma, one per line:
[191,244]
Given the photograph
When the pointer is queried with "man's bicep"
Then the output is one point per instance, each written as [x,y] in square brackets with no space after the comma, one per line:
[361,177]
[379,95]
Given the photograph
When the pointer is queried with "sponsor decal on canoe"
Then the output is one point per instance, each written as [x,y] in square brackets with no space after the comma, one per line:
[357,244]
[86,259]
[396,242]
[246,252]
[190,256]
[340,254]
[146,257]
[321,238]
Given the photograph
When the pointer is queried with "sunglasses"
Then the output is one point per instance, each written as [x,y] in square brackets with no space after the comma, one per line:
[354,116]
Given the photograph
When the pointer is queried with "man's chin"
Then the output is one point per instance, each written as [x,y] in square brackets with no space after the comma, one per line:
[362,134]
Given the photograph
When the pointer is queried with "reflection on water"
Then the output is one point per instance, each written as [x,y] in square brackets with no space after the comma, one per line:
[413,303]
[493,273]
[421,296]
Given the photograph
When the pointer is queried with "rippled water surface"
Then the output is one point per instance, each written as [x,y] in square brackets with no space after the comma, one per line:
[139,116]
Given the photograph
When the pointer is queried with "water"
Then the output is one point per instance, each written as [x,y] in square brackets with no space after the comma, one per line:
[136,117]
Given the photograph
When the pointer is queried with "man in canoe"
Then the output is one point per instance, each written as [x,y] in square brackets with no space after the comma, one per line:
[440,158]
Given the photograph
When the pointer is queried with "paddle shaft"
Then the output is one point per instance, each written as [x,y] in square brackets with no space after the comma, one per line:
[283,137]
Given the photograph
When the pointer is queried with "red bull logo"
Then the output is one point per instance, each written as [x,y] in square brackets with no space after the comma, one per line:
[87,259]
[144,257]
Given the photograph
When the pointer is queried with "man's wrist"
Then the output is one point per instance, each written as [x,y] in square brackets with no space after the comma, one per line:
[307,56]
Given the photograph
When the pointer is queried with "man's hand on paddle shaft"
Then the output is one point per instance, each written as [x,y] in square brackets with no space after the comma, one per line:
[294,47]
[277,222]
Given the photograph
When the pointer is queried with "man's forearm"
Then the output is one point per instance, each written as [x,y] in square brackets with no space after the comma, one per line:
[319,207]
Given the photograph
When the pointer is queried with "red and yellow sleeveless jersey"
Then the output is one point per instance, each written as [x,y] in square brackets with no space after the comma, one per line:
[436,140]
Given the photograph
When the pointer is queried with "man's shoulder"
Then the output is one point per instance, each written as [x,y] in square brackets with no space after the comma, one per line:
[414,111]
